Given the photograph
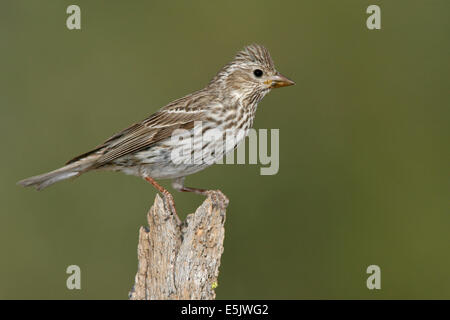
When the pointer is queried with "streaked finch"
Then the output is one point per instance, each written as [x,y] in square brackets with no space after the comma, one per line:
[145,149]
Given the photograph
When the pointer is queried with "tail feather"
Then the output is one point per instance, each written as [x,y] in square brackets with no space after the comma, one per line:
[44,180]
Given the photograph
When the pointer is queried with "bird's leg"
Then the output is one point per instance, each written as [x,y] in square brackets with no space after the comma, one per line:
[167,195]
[178,184]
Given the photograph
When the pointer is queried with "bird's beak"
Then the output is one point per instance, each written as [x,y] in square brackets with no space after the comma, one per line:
[278,81]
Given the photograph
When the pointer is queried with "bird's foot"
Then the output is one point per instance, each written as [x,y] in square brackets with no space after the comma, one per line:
[168,198]
[216,196]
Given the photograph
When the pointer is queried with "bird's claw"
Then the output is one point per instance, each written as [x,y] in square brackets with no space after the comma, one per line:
[168,199]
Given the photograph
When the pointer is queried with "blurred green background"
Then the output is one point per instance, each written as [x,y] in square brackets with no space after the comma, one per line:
[364,141]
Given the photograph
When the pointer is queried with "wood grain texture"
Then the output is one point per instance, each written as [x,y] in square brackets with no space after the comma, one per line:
[181,261]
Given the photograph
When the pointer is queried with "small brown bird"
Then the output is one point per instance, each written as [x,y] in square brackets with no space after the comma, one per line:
[227,103]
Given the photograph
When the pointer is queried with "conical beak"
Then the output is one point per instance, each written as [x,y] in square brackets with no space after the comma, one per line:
[279,81]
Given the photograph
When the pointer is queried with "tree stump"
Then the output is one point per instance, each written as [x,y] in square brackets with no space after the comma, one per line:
[180,261]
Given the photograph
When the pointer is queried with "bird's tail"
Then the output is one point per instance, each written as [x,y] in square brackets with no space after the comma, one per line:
[71,170]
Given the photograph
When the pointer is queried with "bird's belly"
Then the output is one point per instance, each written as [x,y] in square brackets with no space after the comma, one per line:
[171,171]
[157,162]
[165,161]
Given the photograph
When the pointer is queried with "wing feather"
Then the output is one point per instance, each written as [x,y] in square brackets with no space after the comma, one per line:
[143,135]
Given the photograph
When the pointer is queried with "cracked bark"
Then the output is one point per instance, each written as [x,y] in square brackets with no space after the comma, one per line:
[180,261]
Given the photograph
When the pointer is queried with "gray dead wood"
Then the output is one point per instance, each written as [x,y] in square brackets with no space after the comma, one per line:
[180,261]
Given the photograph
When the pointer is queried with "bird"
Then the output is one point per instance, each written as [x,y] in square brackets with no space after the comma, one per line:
[146,149]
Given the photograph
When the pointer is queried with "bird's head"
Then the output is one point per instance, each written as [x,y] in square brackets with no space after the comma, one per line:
[252,71]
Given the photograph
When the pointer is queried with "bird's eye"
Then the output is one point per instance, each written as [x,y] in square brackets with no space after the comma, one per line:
[258,73]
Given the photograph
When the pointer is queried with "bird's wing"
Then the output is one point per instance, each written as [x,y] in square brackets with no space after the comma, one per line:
[139,136]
